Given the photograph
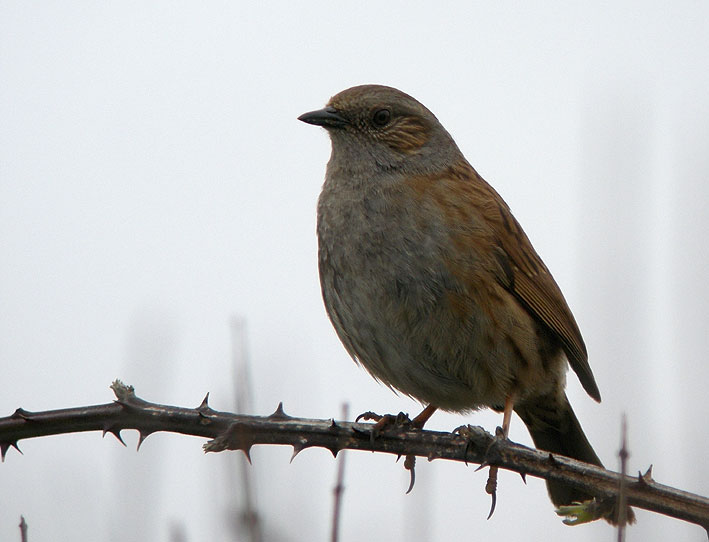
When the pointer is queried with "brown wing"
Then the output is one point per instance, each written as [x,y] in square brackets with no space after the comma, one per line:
[526,276]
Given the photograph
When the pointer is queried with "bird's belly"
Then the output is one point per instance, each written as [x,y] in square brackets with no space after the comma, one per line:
[414,325]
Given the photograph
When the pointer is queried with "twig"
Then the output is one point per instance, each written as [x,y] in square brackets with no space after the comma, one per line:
[237,432]
[623,453]
[23,529]
[250,519]
[339,486]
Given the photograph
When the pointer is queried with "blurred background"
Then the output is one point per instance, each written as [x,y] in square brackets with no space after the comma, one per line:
[157,222]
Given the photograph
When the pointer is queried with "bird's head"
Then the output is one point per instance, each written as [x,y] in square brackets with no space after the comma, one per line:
[379,127]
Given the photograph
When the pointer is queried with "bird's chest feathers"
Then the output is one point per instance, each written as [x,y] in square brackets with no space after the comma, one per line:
[374,231]
[378,251]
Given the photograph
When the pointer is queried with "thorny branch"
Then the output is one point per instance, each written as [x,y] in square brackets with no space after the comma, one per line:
[239,432]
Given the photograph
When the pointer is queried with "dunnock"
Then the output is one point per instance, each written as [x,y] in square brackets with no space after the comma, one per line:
[431,283]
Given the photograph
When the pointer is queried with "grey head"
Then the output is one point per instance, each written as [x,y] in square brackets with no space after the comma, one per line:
[375,127]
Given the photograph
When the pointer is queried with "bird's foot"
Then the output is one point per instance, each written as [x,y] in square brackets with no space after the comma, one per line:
[475,437]
[384,421]
[491,485]
[399,421]
[473,433]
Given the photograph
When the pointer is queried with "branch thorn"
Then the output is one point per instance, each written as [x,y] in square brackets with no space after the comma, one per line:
[5,446]
[22,414]
[141,438]
[297,448]
[646,479]
[279,413]
[247,453]
[116,433]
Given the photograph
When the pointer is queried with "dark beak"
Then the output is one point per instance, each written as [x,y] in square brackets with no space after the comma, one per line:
[327,118]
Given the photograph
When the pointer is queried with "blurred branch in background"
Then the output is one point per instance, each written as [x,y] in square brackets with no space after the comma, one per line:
[623,453]
[339,488]
[248,519]
[240,432]
[23,529]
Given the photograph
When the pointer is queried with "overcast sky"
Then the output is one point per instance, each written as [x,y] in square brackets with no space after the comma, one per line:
[155,184]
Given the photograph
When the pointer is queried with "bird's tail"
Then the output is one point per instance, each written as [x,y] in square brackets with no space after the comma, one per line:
[555,428]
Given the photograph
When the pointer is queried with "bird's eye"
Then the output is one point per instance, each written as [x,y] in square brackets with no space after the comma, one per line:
[381,117]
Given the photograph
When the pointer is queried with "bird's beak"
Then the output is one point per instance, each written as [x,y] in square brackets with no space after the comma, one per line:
[327,118]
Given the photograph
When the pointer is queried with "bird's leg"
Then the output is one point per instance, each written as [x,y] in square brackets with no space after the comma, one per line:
[491,486]
[419,421]
[507,415]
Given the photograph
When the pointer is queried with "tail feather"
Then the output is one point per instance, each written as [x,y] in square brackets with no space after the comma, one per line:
[555,428]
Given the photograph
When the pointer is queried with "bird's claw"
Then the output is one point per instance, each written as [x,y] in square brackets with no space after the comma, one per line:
[410,465]
[491,489]
[383,421]
[401,419]
[368,416]
[471,434]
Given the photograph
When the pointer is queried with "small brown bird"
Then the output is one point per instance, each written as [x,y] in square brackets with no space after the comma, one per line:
[430,282]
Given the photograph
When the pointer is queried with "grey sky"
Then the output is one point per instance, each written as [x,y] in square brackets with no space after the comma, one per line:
[154,182]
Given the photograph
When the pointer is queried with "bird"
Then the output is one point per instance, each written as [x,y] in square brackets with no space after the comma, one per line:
[431,283]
